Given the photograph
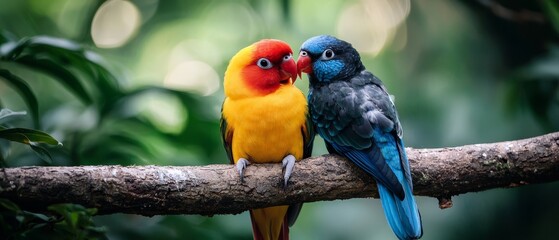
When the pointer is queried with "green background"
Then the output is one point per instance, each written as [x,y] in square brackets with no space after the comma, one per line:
[462,72]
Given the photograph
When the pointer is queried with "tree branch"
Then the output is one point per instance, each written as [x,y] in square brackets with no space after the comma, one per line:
[216,189]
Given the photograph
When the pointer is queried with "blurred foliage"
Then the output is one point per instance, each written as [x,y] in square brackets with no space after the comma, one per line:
[63,221]
[462,72]
[27,136]
[104,104]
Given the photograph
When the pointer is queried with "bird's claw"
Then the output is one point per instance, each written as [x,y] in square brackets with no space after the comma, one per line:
[288,163]
[241,166]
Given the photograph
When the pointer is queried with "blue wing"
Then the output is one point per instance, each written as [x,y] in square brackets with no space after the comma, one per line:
[372,161]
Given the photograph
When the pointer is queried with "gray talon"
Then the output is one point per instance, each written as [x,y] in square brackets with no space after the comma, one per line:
[241,166]
[288,163]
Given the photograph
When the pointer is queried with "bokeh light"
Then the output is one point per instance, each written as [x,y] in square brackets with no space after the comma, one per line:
[163,111]
[193,76]
[371,25]
[115,23]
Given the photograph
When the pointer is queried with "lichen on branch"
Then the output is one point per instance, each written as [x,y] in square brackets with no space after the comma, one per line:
[216,189]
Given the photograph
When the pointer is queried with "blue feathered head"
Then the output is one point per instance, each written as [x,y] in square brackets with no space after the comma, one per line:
[326,59]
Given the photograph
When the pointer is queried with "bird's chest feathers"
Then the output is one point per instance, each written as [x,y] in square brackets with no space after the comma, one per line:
[335,101]
[267,128]
[335,107]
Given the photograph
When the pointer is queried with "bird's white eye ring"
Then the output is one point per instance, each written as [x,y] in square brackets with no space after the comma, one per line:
[303,53]
[287,57]
[264,63]
[328,54]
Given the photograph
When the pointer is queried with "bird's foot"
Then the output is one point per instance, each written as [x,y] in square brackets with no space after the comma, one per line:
[288,163]
[241,166]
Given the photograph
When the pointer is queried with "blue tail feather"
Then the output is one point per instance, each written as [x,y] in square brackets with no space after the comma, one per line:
[402,214]
[387,162]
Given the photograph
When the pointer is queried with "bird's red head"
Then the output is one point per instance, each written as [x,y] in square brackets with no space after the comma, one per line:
[263,67]
[272,66]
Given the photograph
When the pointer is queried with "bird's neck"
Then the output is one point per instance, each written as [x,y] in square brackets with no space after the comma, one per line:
[314,82]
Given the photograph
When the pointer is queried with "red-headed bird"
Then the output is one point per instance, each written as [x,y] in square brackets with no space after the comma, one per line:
[264,120]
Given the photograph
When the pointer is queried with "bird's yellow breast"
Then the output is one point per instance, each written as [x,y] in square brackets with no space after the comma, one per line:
[267,128]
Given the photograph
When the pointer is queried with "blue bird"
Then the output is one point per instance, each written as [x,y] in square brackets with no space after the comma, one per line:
[353,113]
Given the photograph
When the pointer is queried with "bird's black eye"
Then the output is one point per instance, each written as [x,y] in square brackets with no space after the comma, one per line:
[303,53]
[328,54]
[287,57]
[264,63]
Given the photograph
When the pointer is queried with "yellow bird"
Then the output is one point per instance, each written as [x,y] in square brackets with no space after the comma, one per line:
[264,120]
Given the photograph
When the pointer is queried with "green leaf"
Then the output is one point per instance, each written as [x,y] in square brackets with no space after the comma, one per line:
[72,219]
[15,137]
[20,218]
[552,8]
[98,232]
[6,36]
[2,161]
[62,208]
[7,115]
[86,61]
[106,83]
[42,153]
[62,56]
[24,136]
[58,208]
[92,67]
[7,49]
[131,142]
[7,204]
[54,42]
[11,50]
[32,138]
[91,211]
[57,71]
[40,216]
[25,91]
[28,136]
[4,146]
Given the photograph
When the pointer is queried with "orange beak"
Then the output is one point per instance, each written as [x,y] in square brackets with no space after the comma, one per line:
[304,65]
[288,69]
